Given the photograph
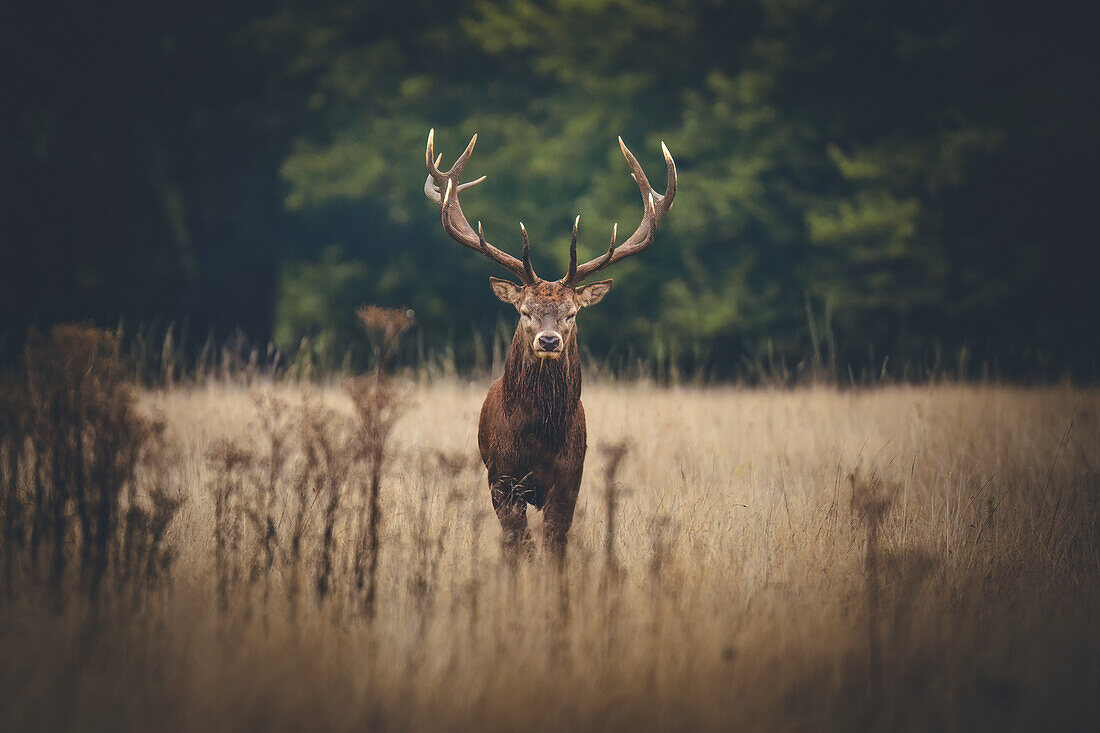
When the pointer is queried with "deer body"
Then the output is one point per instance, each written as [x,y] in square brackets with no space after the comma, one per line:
[532,434]
[532,437]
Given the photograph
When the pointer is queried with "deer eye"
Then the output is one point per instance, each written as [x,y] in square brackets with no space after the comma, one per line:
[571,317]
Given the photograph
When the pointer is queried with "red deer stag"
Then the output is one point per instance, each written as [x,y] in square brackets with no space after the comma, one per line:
[532,432]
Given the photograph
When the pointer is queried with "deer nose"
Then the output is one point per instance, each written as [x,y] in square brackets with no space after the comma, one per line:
[549,341]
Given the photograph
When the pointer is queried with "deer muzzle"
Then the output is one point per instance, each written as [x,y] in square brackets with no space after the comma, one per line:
[548,345]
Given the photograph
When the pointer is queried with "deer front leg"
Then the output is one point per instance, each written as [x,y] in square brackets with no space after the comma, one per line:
[558,516]
[511,510]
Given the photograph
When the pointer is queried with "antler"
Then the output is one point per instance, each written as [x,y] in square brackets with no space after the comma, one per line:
[654,207]
[443,189]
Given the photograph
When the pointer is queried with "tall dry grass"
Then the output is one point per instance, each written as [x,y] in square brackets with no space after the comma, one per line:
[895,558]
[84,503]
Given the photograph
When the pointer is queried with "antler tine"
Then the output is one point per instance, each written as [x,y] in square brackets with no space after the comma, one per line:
[611,247]
[530,271]
[428,154]
[456,169]
[444,188]
[572,273]
[670,182]
[433,184]
[644,185]
[654,207]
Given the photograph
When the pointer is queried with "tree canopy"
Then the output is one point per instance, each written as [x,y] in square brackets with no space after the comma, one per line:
[858,180]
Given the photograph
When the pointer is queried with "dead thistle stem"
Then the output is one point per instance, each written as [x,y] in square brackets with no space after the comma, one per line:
[372,539]
[660,528]
[322,439]
[376,409]
[870,503]
[298,528]
[228,458]
[384,327]
[613,454]
[477,519]
[262,516]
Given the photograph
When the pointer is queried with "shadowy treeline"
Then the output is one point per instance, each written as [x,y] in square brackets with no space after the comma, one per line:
[861,184]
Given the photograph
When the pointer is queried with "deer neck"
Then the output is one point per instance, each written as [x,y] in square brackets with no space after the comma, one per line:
[542,394]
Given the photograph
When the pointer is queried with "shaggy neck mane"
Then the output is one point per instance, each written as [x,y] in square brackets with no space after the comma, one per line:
[541,394]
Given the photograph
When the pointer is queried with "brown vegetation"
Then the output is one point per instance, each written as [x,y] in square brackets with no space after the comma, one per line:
[902,557]
[84,500]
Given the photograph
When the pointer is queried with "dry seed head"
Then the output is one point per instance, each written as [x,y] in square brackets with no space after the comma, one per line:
[613,453]
[228,454]
[871,497]
[386,322]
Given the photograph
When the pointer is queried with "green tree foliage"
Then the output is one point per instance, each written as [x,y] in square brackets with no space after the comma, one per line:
[316,307]
[824,151]
[858,180]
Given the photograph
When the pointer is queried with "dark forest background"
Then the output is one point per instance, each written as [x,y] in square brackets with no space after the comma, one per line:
[860,181]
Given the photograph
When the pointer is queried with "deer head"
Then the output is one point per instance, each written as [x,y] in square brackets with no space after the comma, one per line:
[548,309]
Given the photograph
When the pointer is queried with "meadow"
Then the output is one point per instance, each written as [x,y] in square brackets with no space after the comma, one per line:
[901,557]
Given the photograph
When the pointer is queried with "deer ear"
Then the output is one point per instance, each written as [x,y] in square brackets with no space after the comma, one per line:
[593,293]
[506,290]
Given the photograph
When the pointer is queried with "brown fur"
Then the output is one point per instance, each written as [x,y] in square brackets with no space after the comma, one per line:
[532,430]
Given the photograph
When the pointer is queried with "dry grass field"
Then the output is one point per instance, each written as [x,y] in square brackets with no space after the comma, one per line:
[902,557]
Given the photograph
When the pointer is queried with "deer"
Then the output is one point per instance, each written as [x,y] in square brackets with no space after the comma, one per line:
[532,434]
